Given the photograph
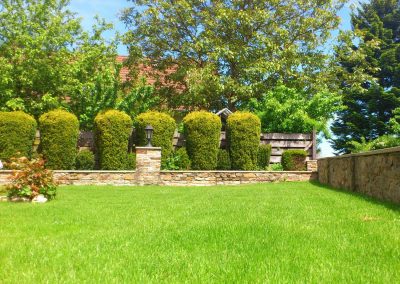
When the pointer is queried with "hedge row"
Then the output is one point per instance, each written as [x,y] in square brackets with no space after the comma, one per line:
[112,131]
[60,131]
[17,133]
[243,131]
[202,132]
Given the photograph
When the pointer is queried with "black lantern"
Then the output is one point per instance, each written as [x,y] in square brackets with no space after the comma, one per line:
[149,134]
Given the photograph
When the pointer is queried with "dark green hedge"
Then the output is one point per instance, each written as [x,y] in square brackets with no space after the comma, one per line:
[85,160]
[224,161]
[112,131]
[202,132]
[164,127]
[17,133]
[243,137]
[264,156]
[59,132]
[294,160]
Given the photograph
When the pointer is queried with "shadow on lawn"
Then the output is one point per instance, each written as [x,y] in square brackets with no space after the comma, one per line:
[387,204]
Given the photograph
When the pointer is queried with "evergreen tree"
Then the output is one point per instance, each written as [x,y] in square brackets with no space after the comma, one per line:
[372,59]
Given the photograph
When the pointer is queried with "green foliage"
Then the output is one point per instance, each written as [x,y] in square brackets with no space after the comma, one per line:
[224,161]
[226,52]
[85,160]
[112,131]
[17,133]
[243,138]
[294,160]
[202,132]
[59,132]
[30,179]
[287,110]
[264,155]
[275,167]
[138,99]
[164,128]
[179,160]
[385,141]
[368,67]
[130,161]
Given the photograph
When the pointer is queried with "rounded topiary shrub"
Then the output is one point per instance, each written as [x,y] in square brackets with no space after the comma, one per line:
[243,137]
[17,133]
[59,132]
[202,132]
[294,160]
[164,127]
[264,156]
[112,131]
[224,161]
[85,160]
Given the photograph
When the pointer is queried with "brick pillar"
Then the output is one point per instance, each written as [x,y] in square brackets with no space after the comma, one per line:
[148,165]
[312,165]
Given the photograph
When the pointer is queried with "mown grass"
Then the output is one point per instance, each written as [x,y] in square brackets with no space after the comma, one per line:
[287,232]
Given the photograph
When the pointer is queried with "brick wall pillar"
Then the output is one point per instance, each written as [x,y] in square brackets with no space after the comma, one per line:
[148,165]
[312,165]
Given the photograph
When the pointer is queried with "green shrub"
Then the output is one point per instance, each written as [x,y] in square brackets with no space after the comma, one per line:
[264,155]
[30,179]
[164,128]
[243,138]
[112,131]
[275,167]
[130,161]
[17,133]
[202,132]
[59,132]
[183,161]
[178,160]
[294,160]
[224,161]
[382,142]
[85,160]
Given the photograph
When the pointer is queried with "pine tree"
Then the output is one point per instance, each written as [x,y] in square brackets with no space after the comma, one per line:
[374,58]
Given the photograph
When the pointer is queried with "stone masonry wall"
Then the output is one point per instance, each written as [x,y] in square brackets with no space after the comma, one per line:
[173,178]
[205,178]
[375,173]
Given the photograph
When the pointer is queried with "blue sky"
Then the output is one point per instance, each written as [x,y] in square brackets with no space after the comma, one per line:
[110,11]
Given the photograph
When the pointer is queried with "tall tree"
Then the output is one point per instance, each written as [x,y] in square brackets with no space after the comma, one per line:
[369,74]
[223,53]
[48,61]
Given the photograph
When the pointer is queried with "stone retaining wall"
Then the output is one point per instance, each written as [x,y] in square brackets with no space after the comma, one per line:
[175,178]
[375,173]
[205,178]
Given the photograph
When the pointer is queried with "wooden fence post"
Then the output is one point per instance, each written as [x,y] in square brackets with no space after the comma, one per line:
[314,144]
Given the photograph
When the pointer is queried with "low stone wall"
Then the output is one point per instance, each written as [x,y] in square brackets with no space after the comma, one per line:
[375,173]
[175,178]
[206,178]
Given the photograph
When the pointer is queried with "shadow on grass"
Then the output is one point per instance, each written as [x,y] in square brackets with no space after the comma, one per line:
[360,196]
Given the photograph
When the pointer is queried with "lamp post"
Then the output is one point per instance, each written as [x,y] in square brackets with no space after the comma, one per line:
[149,135]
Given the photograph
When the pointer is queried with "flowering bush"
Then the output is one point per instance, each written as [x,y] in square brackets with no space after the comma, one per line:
[30,178]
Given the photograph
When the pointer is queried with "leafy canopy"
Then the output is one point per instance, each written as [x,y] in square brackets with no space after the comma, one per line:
[223,53]
[48,61]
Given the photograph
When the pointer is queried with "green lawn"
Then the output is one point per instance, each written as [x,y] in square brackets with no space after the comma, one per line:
[287,232]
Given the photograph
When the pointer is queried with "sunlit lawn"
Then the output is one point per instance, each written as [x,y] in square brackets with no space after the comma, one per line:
[286,232]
